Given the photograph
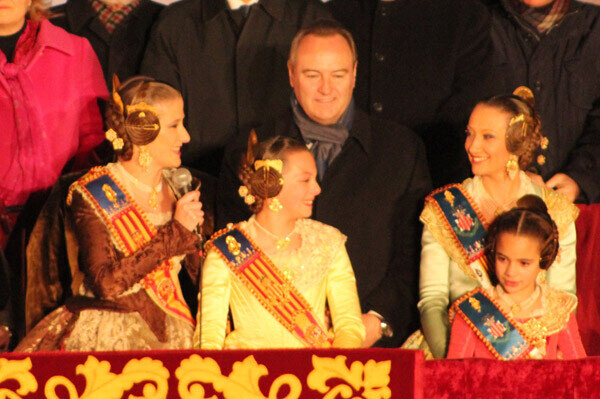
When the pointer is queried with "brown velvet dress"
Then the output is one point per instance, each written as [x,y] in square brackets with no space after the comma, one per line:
[112,310]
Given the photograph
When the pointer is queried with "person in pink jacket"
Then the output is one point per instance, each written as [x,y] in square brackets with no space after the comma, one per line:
[50,82]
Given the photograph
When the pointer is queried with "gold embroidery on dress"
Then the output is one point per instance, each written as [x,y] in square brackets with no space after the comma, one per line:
[475,304]
[560,209]
[233,245]
[449,197]
[109,192]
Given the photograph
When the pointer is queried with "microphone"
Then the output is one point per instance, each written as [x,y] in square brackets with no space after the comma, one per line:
[182,184]
[182,181]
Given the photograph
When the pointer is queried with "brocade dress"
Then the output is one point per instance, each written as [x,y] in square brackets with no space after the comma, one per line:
[321,271]
[113,311]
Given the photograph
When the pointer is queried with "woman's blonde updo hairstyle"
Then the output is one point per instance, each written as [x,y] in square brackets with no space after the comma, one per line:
[523,135]
[139,124]
[265,182]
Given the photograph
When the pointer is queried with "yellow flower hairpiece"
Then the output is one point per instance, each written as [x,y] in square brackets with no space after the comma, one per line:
[276,164]
[115,140]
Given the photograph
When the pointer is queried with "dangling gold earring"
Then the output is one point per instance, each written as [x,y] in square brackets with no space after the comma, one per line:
[512,167]
[275,205]
[144,158]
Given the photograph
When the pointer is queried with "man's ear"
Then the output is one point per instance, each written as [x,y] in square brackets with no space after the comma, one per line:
[290,68]
[354,74]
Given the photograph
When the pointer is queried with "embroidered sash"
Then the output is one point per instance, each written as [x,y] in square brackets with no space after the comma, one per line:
[131,229]
[268,284]
[495,329]
[463,223]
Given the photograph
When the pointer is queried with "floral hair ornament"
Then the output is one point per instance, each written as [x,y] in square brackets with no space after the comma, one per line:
[115,140]
[245,194]
[275,164]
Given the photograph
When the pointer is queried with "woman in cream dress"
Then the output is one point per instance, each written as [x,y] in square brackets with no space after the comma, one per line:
[503,136]
[310,257]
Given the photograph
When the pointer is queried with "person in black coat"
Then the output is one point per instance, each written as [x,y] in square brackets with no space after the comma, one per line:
[373,175]
[118,46]
[423,64]
[228,63]
[554,49]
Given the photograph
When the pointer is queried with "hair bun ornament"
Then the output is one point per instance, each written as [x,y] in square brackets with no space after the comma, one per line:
[275,164]
[142,109]
[252,142]
[525,94]
[116,86]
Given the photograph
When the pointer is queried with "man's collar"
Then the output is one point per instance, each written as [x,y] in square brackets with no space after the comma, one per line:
[275,8]
[80,12]
[235,4]
[361,130]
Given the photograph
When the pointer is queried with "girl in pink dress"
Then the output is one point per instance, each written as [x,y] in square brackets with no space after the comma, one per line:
[520,316]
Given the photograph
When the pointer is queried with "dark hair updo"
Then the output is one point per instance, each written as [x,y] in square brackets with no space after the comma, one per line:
[523,135]
[134,122]
[530,218]
[265,182]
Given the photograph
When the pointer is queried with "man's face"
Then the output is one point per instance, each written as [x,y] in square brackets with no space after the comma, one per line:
[536,3]
[323,77]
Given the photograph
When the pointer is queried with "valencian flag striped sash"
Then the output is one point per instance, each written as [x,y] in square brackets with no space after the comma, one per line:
[268,284]
[131,229]
[464,223]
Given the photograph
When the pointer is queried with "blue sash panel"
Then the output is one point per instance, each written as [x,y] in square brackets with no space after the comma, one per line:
[236,250]
[492,326]
[463,220]
[108,194]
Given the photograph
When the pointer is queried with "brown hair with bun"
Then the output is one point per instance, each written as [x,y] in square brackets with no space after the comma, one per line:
[265,182]
[130,112]
[530,218]
[523,134]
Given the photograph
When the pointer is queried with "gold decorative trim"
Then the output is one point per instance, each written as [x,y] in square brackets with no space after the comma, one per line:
[102,384]
[372,378]
[242,382]
[18,370]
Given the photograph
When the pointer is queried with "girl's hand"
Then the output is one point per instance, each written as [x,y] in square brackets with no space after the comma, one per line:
[188,210]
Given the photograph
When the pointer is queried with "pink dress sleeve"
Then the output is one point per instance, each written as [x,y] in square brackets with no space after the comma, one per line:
[569,341]
[462,340]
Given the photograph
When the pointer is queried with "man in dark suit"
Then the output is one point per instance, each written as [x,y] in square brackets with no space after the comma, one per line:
[118,31]
[423,64]
[373,174]
[227,58]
